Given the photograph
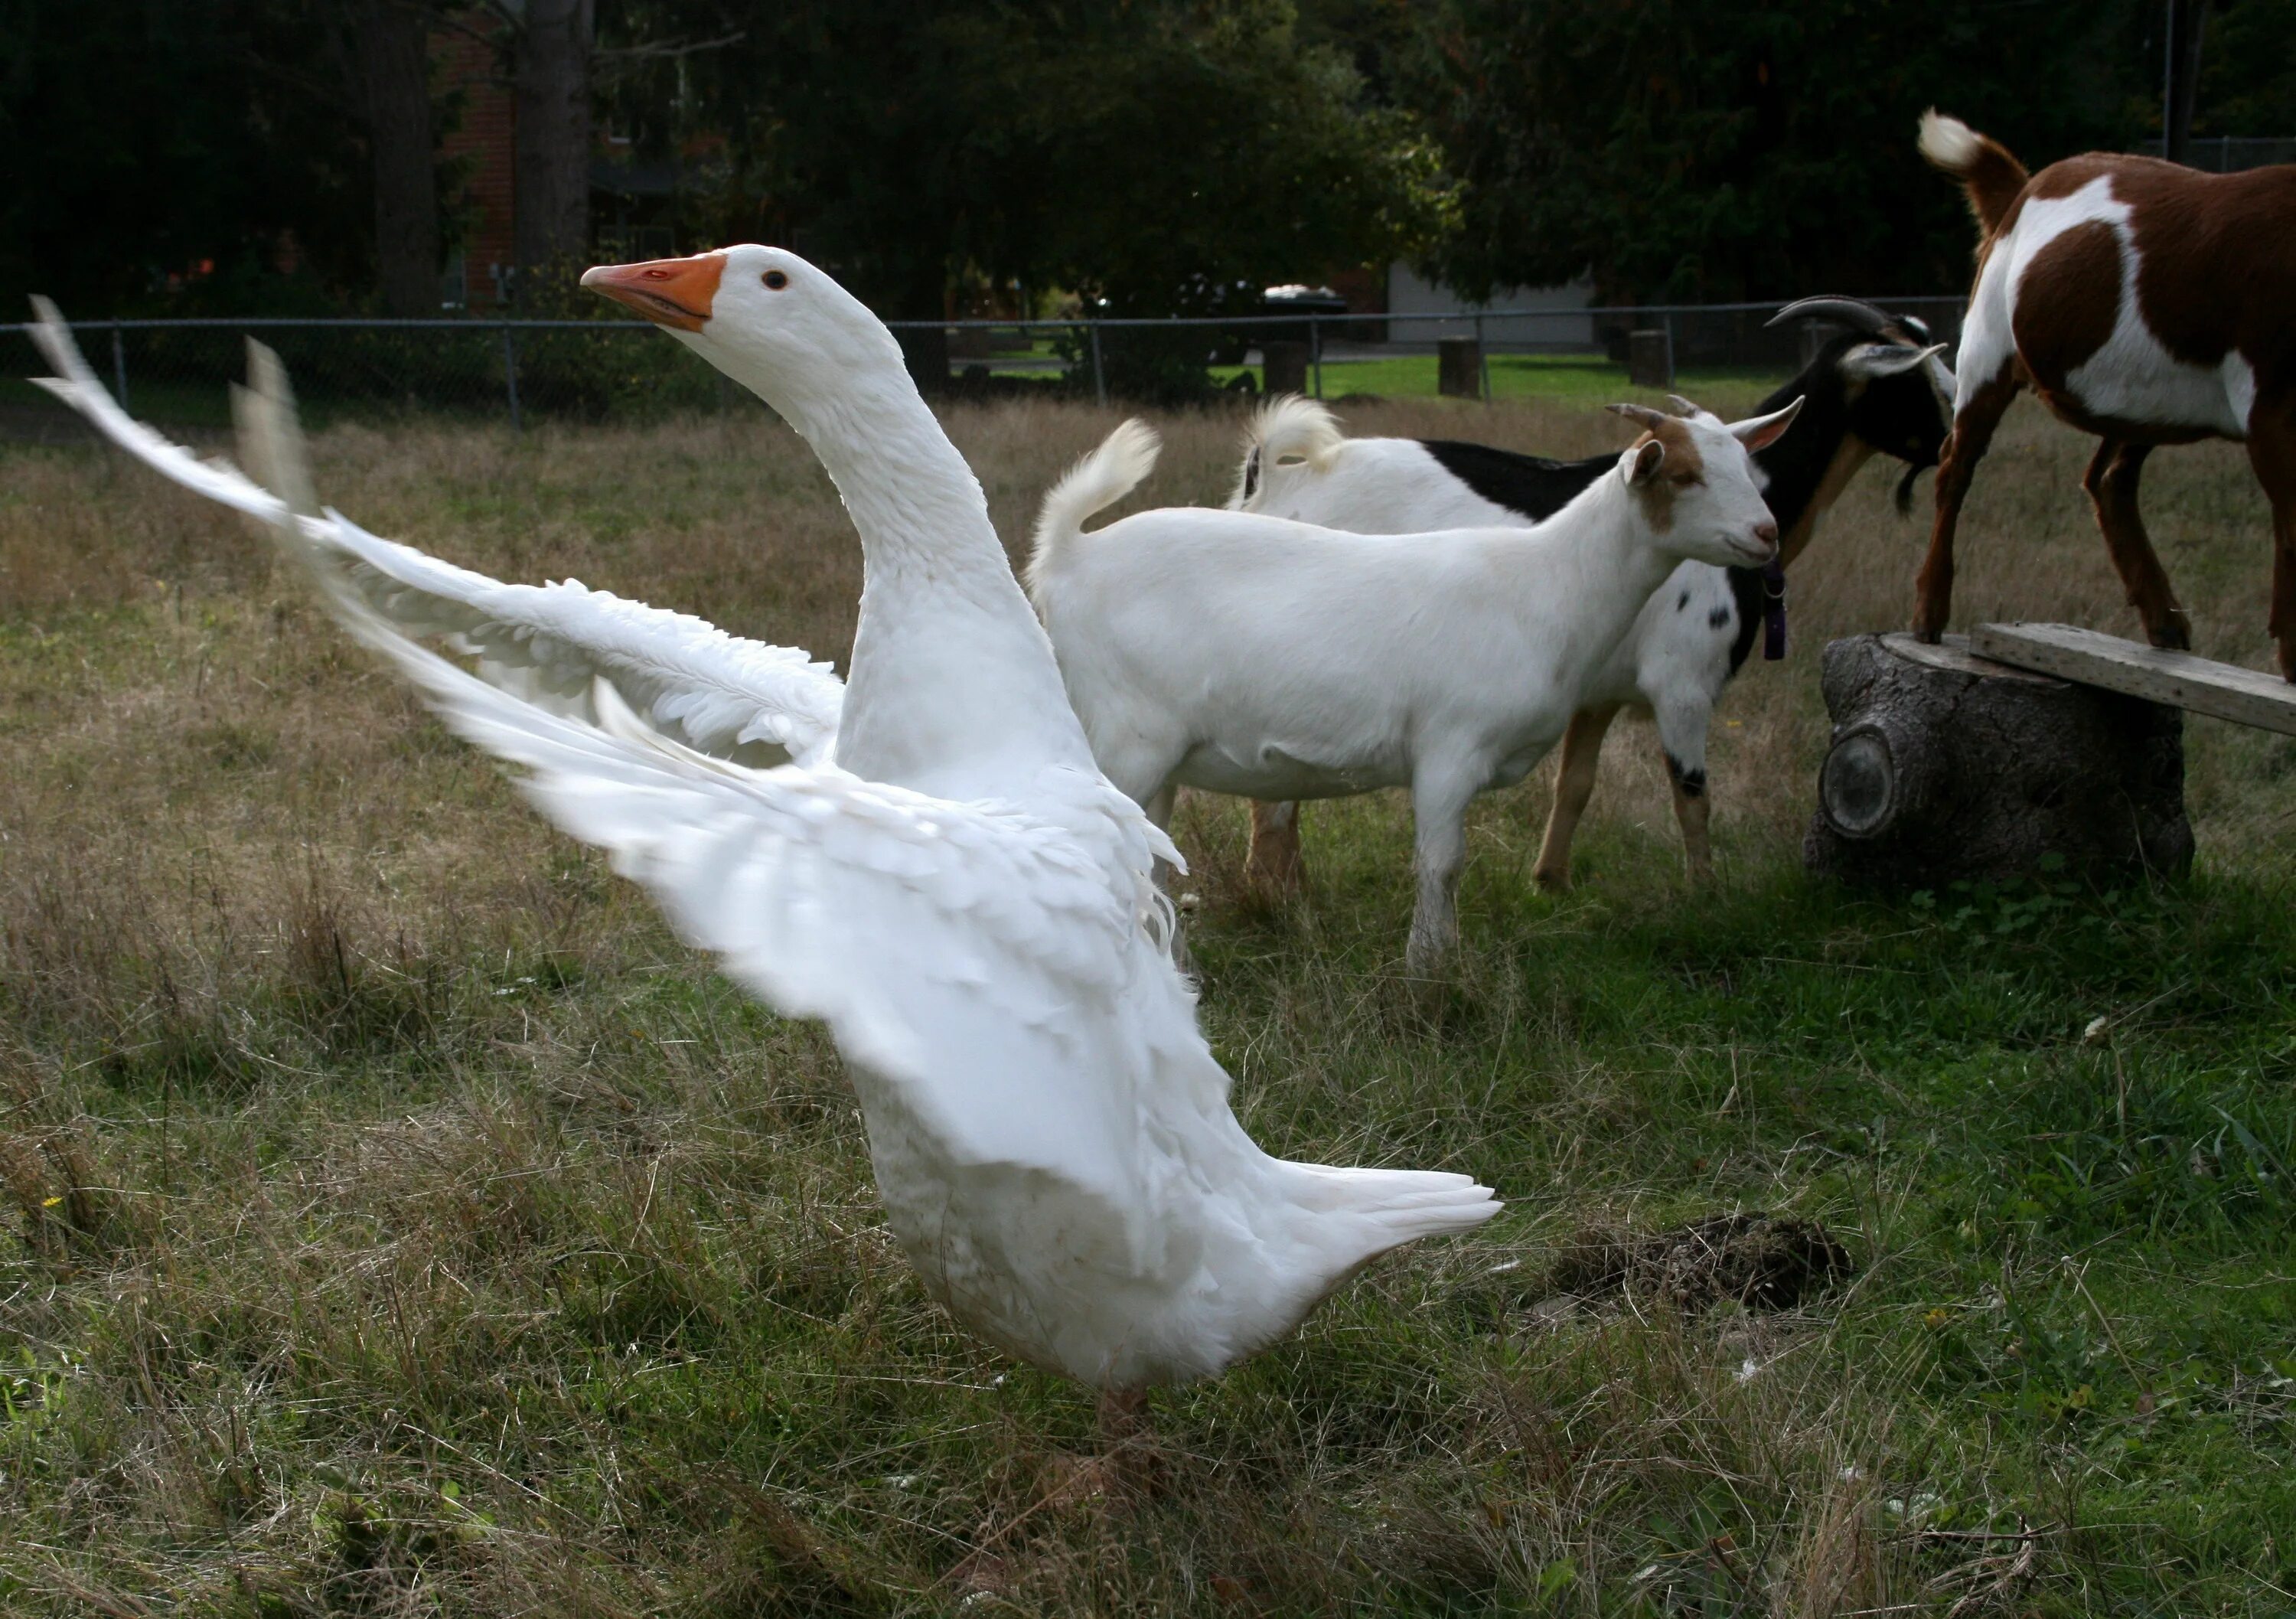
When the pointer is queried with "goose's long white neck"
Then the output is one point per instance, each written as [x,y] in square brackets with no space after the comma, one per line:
[953,687]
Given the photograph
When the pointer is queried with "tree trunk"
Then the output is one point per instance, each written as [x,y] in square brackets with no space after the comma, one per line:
[2181,91]
[392,42]
[552,155]
[1946,766]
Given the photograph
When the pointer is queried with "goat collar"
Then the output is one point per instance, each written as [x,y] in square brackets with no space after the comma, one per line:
[1774,609]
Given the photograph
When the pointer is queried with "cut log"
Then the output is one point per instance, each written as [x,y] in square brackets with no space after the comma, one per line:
[1285,367]
[1650,359]
[1459,367]
[1946,766]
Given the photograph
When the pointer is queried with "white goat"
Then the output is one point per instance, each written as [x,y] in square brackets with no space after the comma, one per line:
[1254,656]
[1878,388]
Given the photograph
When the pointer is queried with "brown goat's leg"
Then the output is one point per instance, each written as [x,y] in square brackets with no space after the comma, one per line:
[1965,448]
[1274,865]
[1574,785]
[2272,452]
[2112,481]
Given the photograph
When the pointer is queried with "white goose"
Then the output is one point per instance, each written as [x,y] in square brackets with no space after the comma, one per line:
[961,895]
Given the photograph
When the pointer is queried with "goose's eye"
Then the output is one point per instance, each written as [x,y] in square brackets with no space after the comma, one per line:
[776,279]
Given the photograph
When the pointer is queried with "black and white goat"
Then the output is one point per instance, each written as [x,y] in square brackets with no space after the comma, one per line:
[1879,387]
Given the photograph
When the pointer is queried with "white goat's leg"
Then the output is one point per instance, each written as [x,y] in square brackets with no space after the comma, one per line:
[1440,796]
[1574,785]
[1683,723]
[1157,807]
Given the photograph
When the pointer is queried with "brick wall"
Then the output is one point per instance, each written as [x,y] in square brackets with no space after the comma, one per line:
[482,140]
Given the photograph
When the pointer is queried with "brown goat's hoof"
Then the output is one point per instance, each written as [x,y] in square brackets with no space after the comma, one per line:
[1551,881]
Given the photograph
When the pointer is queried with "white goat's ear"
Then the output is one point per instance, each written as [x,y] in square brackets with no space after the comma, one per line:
[1643,460]
[1870,362]
[1759,432]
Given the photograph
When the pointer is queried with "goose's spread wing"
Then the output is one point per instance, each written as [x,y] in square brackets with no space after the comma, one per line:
[963,953]
[975,957]
[548,643]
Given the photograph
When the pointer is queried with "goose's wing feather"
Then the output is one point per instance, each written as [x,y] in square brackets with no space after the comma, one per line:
[959,951]
[972,956]
[548,643]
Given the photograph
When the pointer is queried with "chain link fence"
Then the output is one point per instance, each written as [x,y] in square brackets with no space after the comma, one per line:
[176,372]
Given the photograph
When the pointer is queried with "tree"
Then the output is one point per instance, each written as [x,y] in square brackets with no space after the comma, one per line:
[551,45]
[1143,152]
[389,69]
[1684,151]
[183,148]
[2248,72]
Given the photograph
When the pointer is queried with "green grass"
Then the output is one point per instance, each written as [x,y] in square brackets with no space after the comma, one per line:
[398,1220]
[1573,379]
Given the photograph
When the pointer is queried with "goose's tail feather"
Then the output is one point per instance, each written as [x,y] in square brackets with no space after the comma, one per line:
[1403,1205]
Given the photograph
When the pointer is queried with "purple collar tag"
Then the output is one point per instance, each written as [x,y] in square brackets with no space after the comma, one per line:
[1774,611]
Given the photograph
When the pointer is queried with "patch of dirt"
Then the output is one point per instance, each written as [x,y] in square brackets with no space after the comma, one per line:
[1764,1262]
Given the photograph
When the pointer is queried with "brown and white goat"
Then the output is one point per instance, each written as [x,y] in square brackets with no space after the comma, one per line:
[2144,302]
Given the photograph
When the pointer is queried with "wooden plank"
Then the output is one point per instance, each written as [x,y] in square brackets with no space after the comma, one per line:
[1953,653]
[2203,685]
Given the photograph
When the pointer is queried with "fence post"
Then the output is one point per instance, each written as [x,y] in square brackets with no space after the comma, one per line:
[118,366]
[1483,359]
[1315,353]
[1099,378]
[510,377]
[1670,348]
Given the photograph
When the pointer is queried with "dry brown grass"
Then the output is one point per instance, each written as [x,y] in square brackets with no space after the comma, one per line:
[402,1223]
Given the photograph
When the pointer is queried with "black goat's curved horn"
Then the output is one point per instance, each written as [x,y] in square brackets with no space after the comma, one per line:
[1854,313]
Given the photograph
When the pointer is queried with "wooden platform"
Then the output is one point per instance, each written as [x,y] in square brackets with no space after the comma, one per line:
[2178,678]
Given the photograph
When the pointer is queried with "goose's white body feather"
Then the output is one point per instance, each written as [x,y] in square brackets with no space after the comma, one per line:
[961,896]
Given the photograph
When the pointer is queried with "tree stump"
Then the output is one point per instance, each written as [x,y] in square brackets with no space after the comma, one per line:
[1946,766]
[1650,358]
[1285,367]
[1459,367]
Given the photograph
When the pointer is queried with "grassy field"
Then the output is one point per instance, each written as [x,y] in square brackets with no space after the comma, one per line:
[399,1221]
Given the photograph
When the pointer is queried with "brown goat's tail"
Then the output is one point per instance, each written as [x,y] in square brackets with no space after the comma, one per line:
[1985,168]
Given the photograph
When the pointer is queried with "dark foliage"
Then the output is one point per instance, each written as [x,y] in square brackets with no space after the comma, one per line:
[1694,153]
[161,146]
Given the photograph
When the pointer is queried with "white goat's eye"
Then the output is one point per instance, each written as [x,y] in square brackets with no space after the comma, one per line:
[776,279]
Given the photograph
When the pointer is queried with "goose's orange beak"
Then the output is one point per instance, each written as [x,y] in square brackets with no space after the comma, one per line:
[668,292]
